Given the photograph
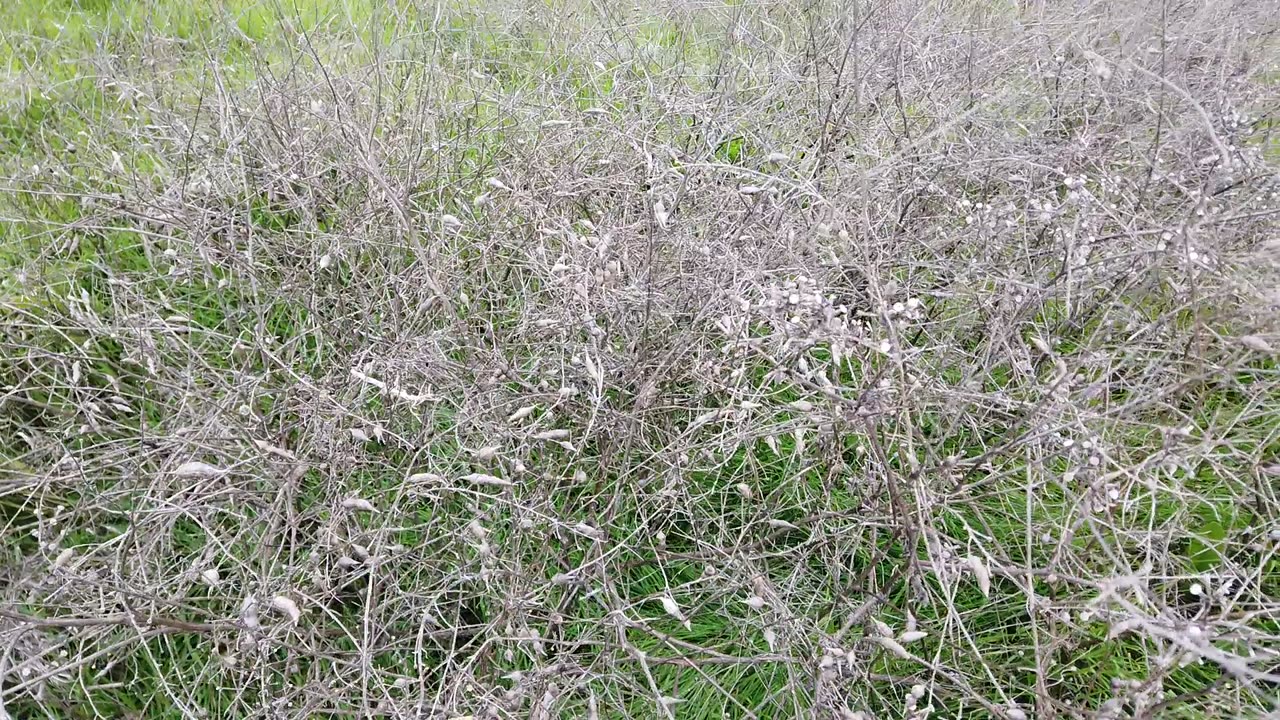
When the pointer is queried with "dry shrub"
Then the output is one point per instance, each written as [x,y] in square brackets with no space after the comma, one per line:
[764,359]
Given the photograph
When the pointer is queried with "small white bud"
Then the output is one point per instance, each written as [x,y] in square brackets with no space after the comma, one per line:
[63,557]
[483,479]
[894,647]
[981,573]
[521,414]
[286,607]
[557,434]
[196,469]
[325,261]
[660,214]
[1253,342]
[669,604]
[211,577]
[355,503]
[911,636]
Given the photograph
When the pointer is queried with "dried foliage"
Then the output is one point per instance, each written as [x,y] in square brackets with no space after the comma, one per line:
[753,360]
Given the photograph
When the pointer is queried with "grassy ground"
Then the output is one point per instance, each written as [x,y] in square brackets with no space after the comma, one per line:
[883,360]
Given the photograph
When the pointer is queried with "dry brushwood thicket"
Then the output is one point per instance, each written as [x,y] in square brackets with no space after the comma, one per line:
[896,359]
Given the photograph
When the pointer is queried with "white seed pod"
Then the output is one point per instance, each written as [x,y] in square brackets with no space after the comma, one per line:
[781,524]
[801,406]
[477,530]
[521,414]
[894,647]
[416,478]
[450,221]
[911,636]
[325,261]
[778,157]
[286,607]
[669,604]
[593,369]
[63,557]
[346,562]
[981,573]
[704,418]
[496,184]
[660,214]
[771,639]
[211,577]
[359,435]
[1015,714]
[355,503]
[882,627]
[485,454]
[580,477]
[481,200]
[249,612]
[750,189]
[197,469]
[557,434]
[744,490]
[586,529]
[1254,342]
[1042,346]
[755,602]
[483,479]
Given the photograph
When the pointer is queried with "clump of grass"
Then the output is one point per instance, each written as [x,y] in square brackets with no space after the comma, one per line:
[885,360]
